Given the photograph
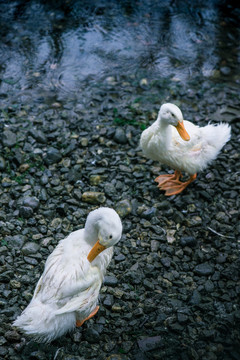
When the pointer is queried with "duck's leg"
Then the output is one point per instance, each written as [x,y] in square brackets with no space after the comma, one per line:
[162,179]
[79,323]
[174,187]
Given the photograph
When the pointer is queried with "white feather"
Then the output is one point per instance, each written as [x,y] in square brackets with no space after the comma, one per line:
[162,142]
[69,286]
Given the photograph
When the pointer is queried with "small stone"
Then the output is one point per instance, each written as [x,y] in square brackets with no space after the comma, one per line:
[2,163]
[23,167]
[110,280]
[9,139]
[30,260]
[12,336]
[190,241]
[44,179]
[31,201]
[194,221]
[204,269]
[84,142]
[150,343]
[221,258]
[26,188]
[91,335]
[53,156]
[117,357]
[25,212]
[93,197]
[209,286]
[30,248]
[196,298]
[15,241]
[123,208]
[15,284]
[2,340]
[38,135]
[143,82]
[182,318]
[108,301]
[170,236]
[120,136]
[155,245]
[166,262]
[96,179]
[56,223]
[149,213]
[119,257]
[116,308]
[225,70]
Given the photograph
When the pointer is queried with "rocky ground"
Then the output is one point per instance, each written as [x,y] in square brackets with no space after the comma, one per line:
[172,289]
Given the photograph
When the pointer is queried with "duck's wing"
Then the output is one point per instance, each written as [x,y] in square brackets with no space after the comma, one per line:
[64,278]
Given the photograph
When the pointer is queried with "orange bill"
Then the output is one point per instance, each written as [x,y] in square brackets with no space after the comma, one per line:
[182,131]
[96,250]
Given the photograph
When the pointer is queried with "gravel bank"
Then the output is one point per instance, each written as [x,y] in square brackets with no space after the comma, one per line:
[172,289]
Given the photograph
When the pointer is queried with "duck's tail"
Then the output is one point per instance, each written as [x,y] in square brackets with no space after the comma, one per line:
[39,320]
[218,136]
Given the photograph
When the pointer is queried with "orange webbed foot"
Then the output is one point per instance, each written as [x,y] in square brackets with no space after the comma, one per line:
[174,187]
[80,322]
[163,179]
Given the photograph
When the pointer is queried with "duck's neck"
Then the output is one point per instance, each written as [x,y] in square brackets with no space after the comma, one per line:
[91,233]
[165,131]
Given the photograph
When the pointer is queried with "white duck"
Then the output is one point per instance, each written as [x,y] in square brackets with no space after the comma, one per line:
[66,295]
[181,145]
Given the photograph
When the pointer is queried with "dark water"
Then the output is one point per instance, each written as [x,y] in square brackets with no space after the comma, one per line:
[54,48]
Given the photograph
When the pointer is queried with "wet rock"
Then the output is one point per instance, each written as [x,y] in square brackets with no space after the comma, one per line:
[31,201]
[84,142]
[209,286]
[74,175]
[117,357]
[182,318]
[25,212]
[108,301]
[110,281]
[120,257]
[9,138]
[38,135]
[190,241]
[120,136]
[196,298]
[149,213]
[96,179]
[53,156]
[155,245]
[225,70]
[204,269]
[15,284]
[2,163]
[166,262]
[123,208]
[30,248]
[150,343]
[12,336]
[15,241]
[62,209]
[91,335]
[93,197]
[170,236]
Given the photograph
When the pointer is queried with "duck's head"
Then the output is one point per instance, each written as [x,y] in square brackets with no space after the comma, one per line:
[172,115]
[108,228]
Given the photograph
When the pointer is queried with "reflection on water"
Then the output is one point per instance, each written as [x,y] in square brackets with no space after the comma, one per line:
[54,46]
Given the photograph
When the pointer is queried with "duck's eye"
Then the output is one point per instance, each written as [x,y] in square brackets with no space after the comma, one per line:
[110,236]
